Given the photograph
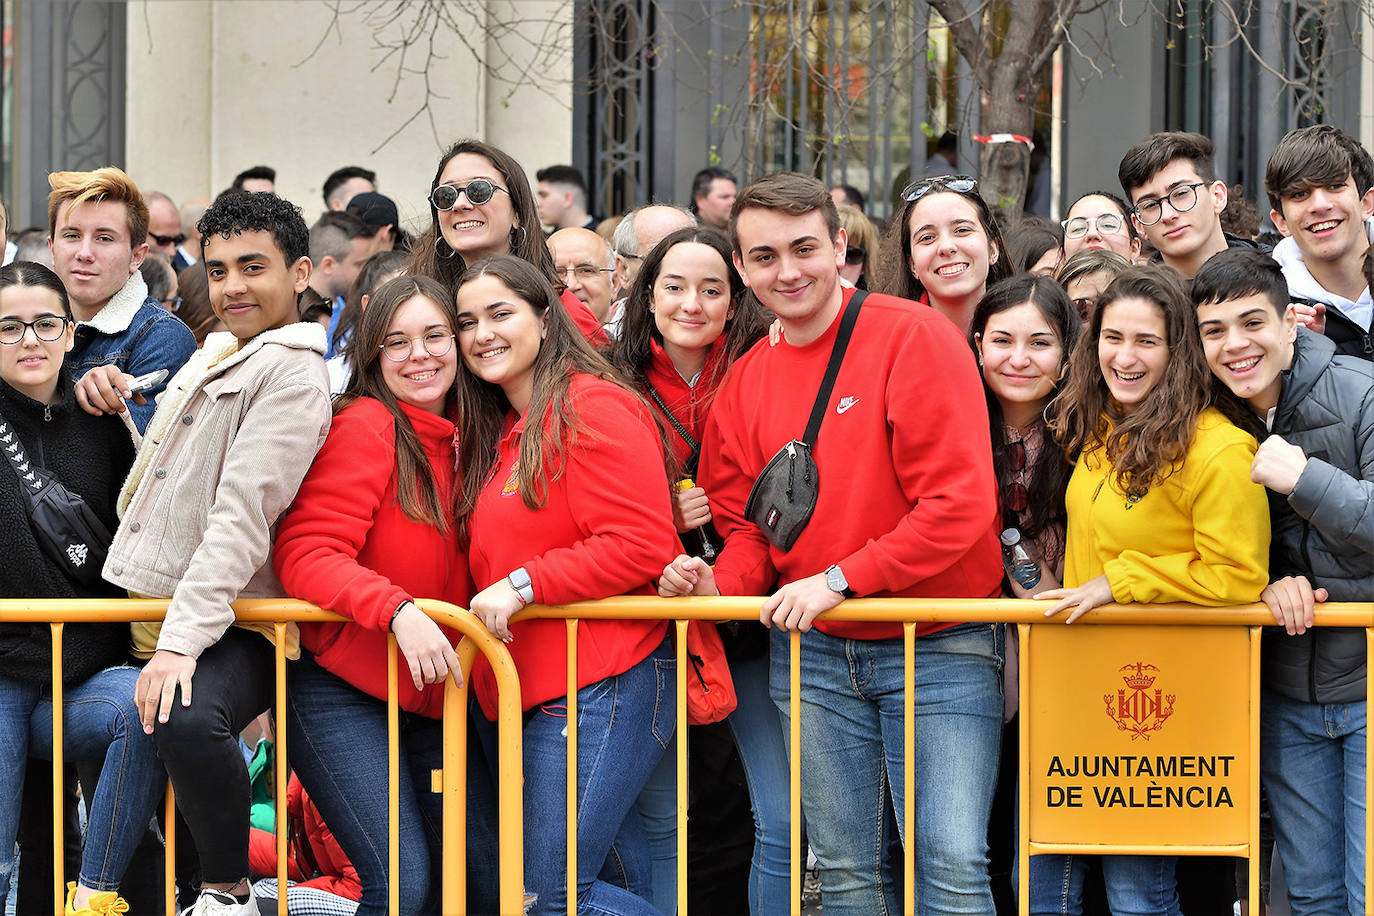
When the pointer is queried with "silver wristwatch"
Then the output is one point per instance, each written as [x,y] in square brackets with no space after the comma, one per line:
[836,582]
[519,580]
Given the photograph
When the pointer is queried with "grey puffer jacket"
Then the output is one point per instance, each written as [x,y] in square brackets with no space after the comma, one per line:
[1324,529]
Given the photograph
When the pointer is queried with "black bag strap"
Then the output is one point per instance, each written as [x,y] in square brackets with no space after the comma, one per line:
[832,369]
[30,478]
[681,430]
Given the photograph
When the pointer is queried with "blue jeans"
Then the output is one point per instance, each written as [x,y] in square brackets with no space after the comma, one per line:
[1312,759]
[657,807]
[851,762]
[100,722]
[1136,885]
[624,723]
[762,743]
[336,741]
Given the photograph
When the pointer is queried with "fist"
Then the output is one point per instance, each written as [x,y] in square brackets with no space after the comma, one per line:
[1278,465]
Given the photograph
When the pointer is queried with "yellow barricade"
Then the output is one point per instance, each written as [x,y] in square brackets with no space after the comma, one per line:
[1120,658]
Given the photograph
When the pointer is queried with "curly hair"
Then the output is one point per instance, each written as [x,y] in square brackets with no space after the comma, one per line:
[1147,445]
[232,214]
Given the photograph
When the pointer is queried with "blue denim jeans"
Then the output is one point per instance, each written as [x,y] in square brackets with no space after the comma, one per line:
[1136,885]
[624,723]
[336,741]
[762,743]
[657,807]
[1312,759]
[852,764]
[100,722]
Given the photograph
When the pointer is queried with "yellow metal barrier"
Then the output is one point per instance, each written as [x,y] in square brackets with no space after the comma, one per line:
[281,613]
[905,611]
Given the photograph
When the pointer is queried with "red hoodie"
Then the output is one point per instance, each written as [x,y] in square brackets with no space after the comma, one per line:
[346,546]
[907,500]
[310,846]
[689,403]
[606,528]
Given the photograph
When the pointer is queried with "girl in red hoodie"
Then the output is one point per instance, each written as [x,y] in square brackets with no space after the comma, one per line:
[577,509]
[687,317]
[371,529]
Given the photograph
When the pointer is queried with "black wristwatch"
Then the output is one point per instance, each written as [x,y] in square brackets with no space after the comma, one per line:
[835,580]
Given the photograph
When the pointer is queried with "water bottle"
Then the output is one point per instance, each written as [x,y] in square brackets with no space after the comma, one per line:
[1022,569]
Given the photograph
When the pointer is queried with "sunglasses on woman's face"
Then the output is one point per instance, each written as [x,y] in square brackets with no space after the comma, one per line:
[479,191]
[854,255]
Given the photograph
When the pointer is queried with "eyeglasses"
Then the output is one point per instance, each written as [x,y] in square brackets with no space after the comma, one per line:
[959,184]
[399,348]
[585,273]
[854,255]
[1106,224]
[167,239]
[171,304]
[46,328]
[1182,198]
[479,191]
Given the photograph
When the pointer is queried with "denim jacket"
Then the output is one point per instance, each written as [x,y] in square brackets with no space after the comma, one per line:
[136,334]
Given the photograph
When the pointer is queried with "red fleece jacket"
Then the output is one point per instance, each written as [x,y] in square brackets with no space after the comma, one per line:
[346,545]
[586,322]
[689,404]
[907,500]
[606,528]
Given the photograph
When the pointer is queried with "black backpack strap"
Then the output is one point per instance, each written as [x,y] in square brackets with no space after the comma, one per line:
[832,369]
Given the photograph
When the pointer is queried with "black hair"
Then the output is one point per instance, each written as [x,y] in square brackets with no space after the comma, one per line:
[258,171]
[701,182]
[1028,240]
[852,196]
[562,174]
[348,172]
[238,212]
[1239,272]
[1147,157]
[158,274]
[31,273]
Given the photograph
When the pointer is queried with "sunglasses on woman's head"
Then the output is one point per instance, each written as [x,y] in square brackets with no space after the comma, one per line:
[959,184]
[479,191]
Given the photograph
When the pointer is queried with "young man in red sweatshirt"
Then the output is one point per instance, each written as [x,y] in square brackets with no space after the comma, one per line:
[906,507]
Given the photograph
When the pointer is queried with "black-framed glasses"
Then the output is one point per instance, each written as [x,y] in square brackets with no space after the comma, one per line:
[479,191]
[1182,198]
[959,184]
[436,343]
[46,328]
[171,304]
[167,239]
[1079,226]
[854,255]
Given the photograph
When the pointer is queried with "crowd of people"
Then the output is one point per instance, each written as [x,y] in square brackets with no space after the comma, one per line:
[221,402]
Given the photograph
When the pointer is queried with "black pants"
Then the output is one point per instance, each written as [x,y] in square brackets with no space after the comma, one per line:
[232,685]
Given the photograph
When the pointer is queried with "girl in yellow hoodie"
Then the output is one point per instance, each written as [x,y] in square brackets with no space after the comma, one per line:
[1160,508]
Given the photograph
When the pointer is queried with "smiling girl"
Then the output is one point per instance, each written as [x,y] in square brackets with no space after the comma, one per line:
[1160,506]
[564,498]
[944,248]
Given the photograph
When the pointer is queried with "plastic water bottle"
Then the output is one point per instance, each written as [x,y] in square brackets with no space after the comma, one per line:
[1022,569]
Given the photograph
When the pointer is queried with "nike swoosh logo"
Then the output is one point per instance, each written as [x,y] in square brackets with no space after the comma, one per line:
[845,404]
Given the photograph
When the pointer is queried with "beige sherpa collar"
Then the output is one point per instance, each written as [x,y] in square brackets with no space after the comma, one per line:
[119,312]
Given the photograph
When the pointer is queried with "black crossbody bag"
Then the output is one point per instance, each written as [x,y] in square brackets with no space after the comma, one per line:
[784,496]
[67,529]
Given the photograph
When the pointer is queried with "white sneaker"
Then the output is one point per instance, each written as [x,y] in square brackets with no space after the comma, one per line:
[218,903]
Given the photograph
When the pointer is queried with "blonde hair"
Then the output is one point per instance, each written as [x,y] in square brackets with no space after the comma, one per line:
[108,183]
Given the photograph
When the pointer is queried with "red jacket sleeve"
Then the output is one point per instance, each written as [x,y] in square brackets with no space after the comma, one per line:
[745,566]
[584,319]
[617,491]
[939,419]
[320,536]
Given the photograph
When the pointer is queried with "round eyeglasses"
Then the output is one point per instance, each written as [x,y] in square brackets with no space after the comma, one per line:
[1079,226]
[399,348]
[479,191]
[46,328]
[1182,198]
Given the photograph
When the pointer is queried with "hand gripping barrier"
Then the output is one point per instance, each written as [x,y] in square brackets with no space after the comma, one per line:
[1136,712]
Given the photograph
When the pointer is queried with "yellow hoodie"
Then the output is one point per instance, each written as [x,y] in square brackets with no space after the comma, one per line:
[1200,536]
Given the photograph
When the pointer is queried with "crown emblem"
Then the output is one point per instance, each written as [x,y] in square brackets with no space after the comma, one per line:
[1137,708]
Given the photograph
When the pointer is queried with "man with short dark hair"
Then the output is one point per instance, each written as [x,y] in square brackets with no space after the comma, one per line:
[1176,198]
[1320,183]
[848,194]
[1317,460]
[259,179]
[188,252]
[343,184]
[561,198]
[340,245]
[713,194]
[906,506]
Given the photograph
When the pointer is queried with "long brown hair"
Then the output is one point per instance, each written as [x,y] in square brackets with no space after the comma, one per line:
[483,405]
[432,256]
[895,275]
[1150,444]
[416,490]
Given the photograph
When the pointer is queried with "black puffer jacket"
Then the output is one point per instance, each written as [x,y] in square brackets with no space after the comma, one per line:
[1324,529]
[91,457]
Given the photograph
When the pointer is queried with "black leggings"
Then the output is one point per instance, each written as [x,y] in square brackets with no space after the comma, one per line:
[232,685]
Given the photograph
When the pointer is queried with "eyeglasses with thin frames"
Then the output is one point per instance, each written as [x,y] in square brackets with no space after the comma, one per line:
[1079,226]
[585,273]
[399,348]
